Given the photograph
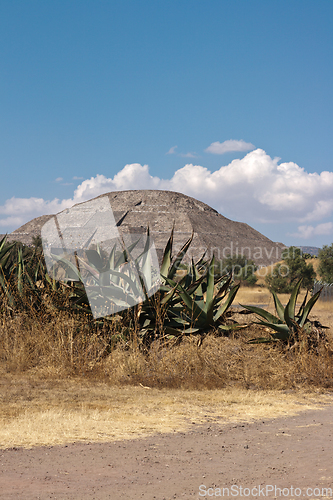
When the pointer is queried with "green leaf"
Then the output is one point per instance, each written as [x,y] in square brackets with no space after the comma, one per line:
[225,306]
[196,311]
[308,307]
[95,259]
[167,256]
[71,269]
[210,291]
[278,306]
[20,270]
[282,331]
[264,314]
[146,263]
[111,258]
[180,257]
[230,328]
[135,287]
[289,313]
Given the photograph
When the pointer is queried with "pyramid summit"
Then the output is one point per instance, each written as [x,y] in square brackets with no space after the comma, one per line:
[135,210]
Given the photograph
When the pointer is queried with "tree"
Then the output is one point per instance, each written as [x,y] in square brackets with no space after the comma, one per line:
[37,241]
[286,274]
[242,269]
[325,269]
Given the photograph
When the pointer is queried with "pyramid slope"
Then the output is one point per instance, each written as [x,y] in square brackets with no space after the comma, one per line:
[136,209]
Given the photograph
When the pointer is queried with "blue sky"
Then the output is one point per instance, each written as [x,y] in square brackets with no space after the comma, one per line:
[227,101]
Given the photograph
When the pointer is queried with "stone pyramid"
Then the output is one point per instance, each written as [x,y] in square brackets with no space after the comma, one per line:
[161,210]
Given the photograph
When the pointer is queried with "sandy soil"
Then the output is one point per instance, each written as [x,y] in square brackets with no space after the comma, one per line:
[293,452]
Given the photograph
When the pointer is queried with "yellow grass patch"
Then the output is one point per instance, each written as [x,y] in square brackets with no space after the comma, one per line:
[59,412]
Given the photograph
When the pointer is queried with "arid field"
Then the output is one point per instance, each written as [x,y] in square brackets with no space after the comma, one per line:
[58,384]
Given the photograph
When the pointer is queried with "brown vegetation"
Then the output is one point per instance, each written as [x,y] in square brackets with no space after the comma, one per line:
[60,384]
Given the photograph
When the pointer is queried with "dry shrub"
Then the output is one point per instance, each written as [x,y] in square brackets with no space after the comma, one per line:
[60,343]
[65,345]
[217,363]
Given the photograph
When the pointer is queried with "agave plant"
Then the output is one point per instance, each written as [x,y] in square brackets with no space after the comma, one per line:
[20,270]
[193,304]
[108,283]
[287,324]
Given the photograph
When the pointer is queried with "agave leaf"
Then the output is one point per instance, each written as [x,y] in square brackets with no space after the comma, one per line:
[146,263]
[194,269]
[196,286]
[95,259]
[289,312]
[193,307]
[4,246]
[126,253]
[168,297]
[201,262]
[229,328]
[172,331]
[20,271]
[210,291]
[6,288]
[308,307]
[301,309]
[223,307]
[118,296]
[180,257]
[133,286]
[112,258]
[5,254]
[222,291]
[3,242]
[278,306]
[191,330]
[89,240]
[264,314]
[167,256]
[73,272]
[94,273]
[282,332]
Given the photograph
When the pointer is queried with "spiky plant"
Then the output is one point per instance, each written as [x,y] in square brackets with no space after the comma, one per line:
[287,326]
[192,305]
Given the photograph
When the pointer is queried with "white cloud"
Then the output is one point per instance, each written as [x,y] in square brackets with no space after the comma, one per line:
[220,148]
[172,151]
[18,211]
[75,178]
[188,155]
[11,221]
[256,188]
[307,232]
[59,179]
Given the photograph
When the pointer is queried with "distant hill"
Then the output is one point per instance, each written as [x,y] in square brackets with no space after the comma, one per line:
[311,250]
[135,210]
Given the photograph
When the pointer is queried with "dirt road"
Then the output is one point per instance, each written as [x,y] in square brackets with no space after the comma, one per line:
[282,458]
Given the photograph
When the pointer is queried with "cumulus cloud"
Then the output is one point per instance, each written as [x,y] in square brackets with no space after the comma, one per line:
[253,189]
[307,232]
[188,155]
[172,151]
[17,211]
[220,148]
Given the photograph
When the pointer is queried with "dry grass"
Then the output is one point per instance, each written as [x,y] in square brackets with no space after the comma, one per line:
[61,381]
[58,412]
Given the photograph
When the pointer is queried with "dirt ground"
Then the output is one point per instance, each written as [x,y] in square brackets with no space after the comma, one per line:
[282,458]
